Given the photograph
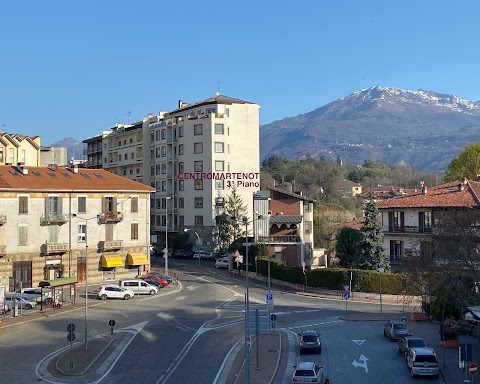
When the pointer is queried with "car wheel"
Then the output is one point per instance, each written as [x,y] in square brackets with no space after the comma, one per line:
[126,297]
[103,297]
[28,306]
[152,292]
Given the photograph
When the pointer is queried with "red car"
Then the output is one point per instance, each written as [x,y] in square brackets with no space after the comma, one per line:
[155,278]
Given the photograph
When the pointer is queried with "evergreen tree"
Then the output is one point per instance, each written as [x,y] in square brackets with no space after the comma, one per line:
[373,250]
[348,247]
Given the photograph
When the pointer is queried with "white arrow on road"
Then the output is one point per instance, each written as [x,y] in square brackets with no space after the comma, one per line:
[362,363]
[358,342]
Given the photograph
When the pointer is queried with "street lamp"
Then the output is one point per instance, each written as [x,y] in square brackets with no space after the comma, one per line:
[198,240]
[166,235]
[247,306]
[86,277]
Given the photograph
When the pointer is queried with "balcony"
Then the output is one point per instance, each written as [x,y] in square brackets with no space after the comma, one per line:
[280,239]
[110,217]
[3,219]
[109,245]
[3,250]
[407,229]
[53,248]
[54,218]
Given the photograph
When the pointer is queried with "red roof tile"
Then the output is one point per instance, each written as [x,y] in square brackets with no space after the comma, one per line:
[63,179]
[455,194]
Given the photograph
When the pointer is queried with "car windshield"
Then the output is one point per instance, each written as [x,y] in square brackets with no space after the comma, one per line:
[400,326]
[310,339]
[304,372]
[416,343]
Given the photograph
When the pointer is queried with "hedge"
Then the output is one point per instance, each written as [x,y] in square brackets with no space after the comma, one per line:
[335,278]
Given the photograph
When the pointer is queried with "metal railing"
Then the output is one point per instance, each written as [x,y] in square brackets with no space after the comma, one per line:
[280,239]
[54,218]
[406,229]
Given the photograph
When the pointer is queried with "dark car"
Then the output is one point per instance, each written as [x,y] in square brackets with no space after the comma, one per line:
[406,343]
[396,330]
[153,282]
[310,342]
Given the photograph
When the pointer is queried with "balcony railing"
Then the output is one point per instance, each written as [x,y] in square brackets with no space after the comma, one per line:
[406,229]
[3,219]
[54,248]
[280,239]
[54,218]
[109,245]
[110,217]
[3,250]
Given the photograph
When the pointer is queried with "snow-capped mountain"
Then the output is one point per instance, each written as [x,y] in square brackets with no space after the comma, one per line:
[421,128]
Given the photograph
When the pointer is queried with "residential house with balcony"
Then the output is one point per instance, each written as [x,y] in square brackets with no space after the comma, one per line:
[69,221]
[284,221]
[16,148]
[349,189]
[409,221]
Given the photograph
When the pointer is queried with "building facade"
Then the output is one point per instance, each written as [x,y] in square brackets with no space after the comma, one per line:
[68,221]
[15,148]
[199,152]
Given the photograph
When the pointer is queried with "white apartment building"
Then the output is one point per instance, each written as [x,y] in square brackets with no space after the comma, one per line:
[199,152]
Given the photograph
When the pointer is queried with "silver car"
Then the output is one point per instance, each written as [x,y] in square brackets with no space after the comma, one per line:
[422,362]
[20,301]
[406,343]
[396,330]
[310,342]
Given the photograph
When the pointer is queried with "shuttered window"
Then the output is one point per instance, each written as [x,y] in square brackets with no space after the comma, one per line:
[23,204]
[134,206]
[134,231]
[22,235]
[82,205]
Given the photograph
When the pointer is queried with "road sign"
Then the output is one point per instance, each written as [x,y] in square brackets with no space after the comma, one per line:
[346,295]
[273,317]
[71,328]
[248,341]
[473,369]
[269,298]
[71,337]
[111,323]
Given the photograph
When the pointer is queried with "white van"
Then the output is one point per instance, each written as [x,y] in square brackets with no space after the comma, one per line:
[138,286]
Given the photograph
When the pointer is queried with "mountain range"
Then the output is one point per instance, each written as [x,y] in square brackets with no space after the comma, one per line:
[423,129]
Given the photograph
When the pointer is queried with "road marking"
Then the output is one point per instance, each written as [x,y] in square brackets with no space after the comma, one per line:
[313,325]
[358,342]
[361,365]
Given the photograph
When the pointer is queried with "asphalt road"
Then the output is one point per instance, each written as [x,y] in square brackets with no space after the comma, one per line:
[188,333]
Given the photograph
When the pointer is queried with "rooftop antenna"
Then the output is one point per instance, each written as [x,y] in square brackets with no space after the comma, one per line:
[218,87]
[128,119]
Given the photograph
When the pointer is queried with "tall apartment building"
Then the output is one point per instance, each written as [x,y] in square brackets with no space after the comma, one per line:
[201,151]
[94,150]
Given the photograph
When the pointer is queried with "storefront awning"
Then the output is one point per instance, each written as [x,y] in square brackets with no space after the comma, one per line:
[137,259]
[110,261]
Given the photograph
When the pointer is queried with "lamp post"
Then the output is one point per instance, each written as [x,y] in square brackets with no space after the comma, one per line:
[380,271]
[247,306]
[86,277]
[198,240]
[166,235]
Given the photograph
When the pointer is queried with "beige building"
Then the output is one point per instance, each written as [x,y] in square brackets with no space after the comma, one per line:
[62,222]
[199,152]
[15,148]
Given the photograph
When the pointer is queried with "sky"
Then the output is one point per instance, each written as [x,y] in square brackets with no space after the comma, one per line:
[75,68]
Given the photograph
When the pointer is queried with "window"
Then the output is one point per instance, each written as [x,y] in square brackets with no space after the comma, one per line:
[164,186]
[219,184]
[134,231]
[22,235]
[132,155]
[124,172]
[22,158]
[158,186]
[130,141]
[23,204]
[308,226]
[126,156]
[164,134]
[181,202]
[219,129]
[219,147]
[109,204]
[134,206]
[219,165]
[199,220]
[198,129]
[395,221]
[158,220]
[164,203]
[159,203]
[1,155]
[157,169]
[164,168]
[180,167]
[181,220]
[119,157]
[181,185]
[10,155]
[198,148]
[198,202]
[425,221]
[180,132]
[124,142]
[53,234]
[53,205]
[82,204]
[164,151]
[198,184]
[180,149]
[198,166]
[157,152]
[82,230]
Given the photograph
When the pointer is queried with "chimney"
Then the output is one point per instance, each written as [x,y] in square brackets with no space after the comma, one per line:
[465,180]
[424,188]
[460,187]
[22,169]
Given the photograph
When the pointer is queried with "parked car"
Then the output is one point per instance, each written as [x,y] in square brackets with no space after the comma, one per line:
[4,307]
[308,372]
[153,277]
[138,286]
[20,301]
[114,291]
[406,343]
[167,278]
[395,330]
[203,256]
[310,342]
[37,295]
[422,362]
[221,263]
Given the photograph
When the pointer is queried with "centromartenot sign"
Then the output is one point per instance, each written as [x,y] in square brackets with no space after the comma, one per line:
[234,179]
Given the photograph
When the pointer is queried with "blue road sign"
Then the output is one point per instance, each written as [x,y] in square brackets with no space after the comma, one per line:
[71,328]
[346,295]
[71,337]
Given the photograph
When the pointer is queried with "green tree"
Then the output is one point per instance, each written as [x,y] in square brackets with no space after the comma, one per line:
[467,164]
[181,240]
[348,247]
[373,249]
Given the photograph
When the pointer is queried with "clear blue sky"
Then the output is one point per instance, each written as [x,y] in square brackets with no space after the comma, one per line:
[74,68]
